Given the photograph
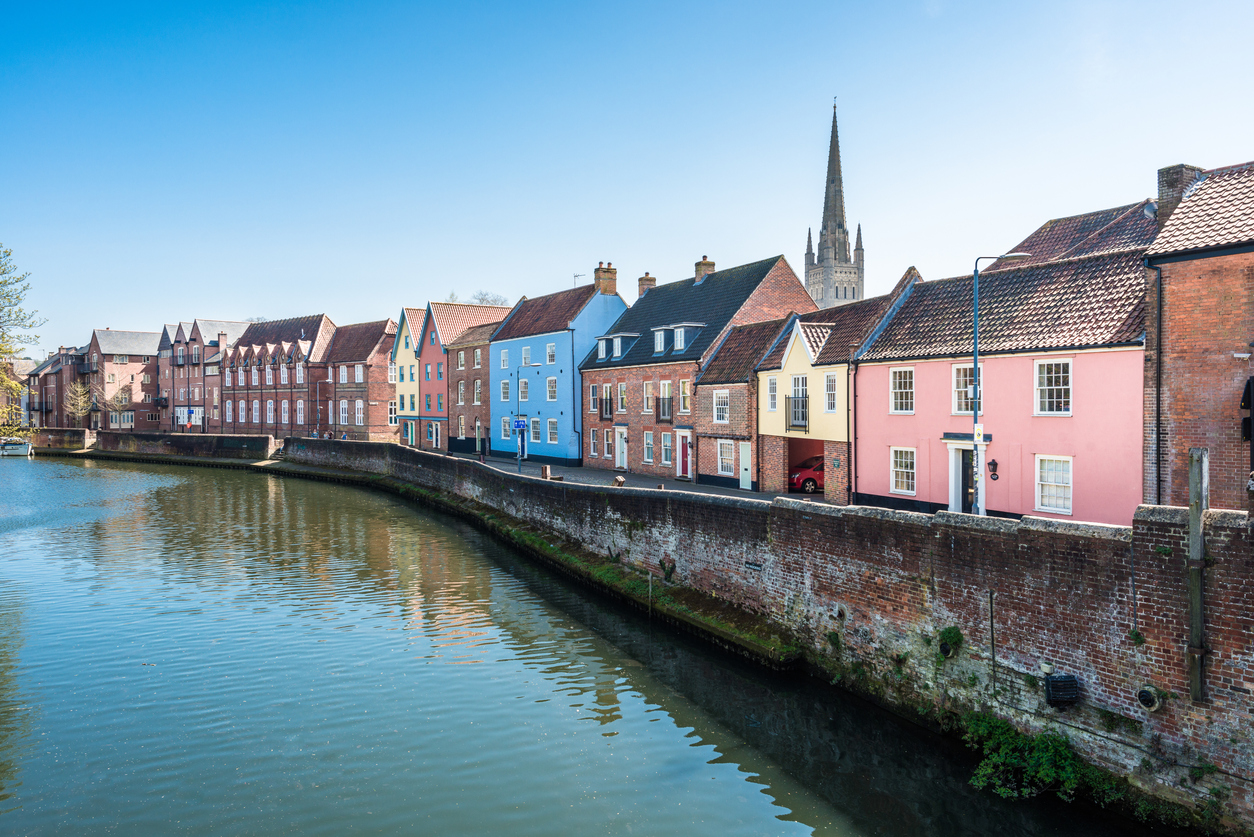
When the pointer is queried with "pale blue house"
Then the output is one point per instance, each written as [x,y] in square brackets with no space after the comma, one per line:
[534,362]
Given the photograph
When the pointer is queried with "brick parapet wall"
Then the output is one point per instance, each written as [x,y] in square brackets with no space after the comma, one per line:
[226,446]
[886,582]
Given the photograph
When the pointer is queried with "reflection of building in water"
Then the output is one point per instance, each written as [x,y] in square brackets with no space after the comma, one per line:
[15,721]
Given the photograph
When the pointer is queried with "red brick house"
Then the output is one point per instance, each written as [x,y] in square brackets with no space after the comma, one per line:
[725,407]
[469,382]
[638,382]
[305,375]
[189,363]
[117,362]
[1199,327]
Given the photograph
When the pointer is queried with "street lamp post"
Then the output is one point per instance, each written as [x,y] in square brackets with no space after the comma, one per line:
[977,507]
[517,406]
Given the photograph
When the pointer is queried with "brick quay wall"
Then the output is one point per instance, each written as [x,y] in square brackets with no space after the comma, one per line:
[867,592]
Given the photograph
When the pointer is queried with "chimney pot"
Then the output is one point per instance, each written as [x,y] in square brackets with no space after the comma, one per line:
[605,278]
[703,268]
[645,283]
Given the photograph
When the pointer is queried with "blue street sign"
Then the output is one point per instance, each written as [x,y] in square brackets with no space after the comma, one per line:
[520,424]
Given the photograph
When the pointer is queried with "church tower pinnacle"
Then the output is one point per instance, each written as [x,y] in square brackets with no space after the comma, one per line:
[833,278]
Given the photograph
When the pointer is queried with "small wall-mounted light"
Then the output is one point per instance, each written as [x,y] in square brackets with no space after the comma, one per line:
[992,469]
[1241,355]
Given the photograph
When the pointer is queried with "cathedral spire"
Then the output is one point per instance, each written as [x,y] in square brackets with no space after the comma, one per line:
[834,199]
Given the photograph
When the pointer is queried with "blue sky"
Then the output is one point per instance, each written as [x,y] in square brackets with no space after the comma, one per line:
[163,161]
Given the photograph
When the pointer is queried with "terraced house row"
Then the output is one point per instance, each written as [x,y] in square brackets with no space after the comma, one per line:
[1112,343]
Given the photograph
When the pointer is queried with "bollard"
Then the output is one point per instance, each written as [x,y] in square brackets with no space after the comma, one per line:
[546,472]
[620,481]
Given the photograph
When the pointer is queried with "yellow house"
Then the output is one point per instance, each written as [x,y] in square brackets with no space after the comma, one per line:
[804,387]
[404,371]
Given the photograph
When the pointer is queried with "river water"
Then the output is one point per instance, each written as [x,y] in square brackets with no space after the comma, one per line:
[195,651]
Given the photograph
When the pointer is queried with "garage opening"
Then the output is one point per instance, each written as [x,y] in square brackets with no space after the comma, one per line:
[805,465]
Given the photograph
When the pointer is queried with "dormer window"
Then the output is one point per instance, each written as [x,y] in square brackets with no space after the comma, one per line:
[679,339]
[618,347]
[659,341]
[600,350]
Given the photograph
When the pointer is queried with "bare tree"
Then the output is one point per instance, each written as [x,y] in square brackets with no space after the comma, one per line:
[78,400]
[452,297]
[488,298]
[256,320]
[16,324]
[120,401]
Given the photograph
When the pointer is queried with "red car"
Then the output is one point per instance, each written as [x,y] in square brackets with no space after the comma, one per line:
[807,475]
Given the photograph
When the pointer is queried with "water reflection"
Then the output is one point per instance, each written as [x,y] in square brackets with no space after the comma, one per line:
[280,655]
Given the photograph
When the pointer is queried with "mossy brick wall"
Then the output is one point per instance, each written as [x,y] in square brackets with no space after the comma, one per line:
[63,438]
[187,444]
[885,583]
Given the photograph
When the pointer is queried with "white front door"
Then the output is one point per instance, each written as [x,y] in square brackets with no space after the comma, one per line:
[746,460]
[436,434]
[620,447]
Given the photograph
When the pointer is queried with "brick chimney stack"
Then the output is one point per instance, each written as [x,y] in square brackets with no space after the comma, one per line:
[703,269]
[222,347]
[1172,181]
[646,282]
[605,278]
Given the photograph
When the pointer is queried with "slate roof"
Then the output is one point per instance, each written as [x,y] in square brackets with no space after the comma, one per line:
[127,342]
[738,355]
[167,336]
[452,318]
[830,331]
[476,335]
[713,303]
[357,342]
[1217,211]
[1104,231]
[210,329]
[1072,303]
[316,329]
[545,314]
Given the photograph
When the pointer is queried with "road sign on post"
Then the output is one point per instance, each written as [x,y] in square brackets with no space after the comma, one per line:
[520,424]
[979,434]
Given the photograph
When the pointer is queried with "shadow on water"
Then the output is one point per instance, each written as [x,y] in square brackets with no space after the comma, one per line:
[327,550]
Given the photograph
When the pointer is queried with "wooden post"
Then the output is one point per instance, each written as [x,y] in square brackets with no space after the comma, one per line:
[1199,502]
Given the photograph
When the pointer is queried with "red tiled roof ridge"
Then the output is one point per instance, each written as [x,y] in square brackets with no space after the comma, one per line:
[1228,169]
[1001,271]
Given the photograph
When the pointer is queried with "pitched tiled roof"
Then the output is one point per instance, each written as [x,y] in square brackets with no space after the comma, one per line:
[127,342]
[452,318]
[738,355]
[840,326]
[1104,231]
[713,303]
[1073,303]
[475,335]
[414,318]
[316,328]
[1217,211]
[356,342]
[545,314]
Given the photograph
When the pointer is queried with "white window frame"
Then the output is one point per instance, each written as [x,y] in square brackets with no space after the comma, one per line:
[592,398]
[391,372]
[343,409]
[721,403]
[600,350]
[659,341]
[359,412]
[685,396]
[461,393]
[729,460]
[505,391]
[648,446]
[526,355]
[622,398]
[300,411]
[524,390]
[772,394]
[283,374]
[552,428]
[285,412]
[550,354]
[666,449]
[830,392]
[954,369]
[461,359]
[256,376]
[242,415]
[1069,485]
[893,470]
[229,412]
[550,389]
[1037,389]
[478,358]
[478,391]
[506,421]
[535,431]
[618,347]
[592,443]
[647,388]
[343,374]
[609,444]
[461,427]
[893,391]
[680,340]
[300,373]
[392,418]
[256,411]
[359,374]
[505,358]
